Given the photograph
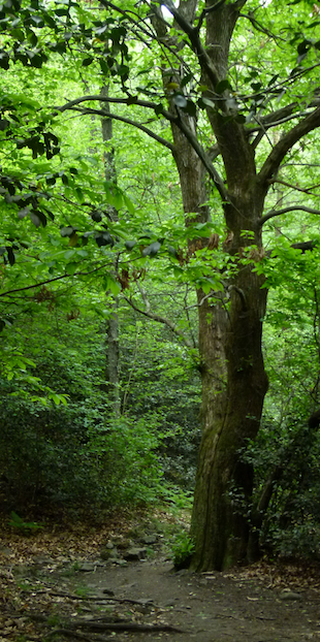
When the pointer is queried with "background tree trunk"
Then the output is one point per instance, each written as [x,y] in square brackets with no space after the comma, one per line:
[112,329]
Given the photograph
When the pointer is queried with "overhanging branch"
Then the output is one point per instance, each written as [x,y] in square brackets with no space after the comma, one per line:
[56,278]
[128,121]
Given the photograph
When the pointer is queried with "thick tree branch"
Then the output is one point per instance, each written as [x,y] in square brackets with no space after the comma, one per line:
[283,115]
[279,151]
[205,159]
[292,208]
[195,42]
[207,10]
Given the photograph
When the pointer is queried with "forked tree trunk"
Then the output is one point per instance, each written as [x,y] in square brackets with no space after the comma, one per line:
[234,382]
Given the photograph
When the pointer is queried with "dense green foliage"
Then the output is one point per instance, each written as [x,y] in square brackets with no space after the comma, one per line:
[81,457]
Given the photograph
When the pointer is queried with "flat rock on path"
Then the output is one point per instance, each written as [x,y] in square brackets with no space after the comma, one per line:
[211,607]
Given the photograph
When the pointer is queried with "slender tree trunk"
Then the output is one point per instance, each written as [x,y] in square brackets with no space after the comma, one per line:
[112,329]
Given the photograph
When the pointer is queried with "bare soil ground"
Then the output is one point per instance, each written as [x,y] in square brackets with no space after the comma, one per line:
[211,607]
[61,587]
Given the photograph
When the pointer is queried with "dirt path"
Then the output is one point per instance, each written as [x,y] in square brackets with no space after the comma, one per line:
[211,607]
[117,584]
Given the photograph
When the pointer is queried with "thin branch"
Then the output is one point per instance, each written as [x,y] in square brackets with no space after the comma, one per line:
[130,100]
[256,25]
[136,21]
[305,190]
[195,42]
[56,278]
[159,319]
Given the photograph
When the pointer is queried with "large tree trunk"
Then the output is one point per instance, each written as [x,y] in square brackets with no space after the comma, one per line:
[234,382]
[234,386]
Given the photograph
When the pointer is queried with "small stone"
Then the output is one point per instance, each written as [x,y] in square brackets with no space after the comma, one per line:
[290,596]
[124,544]
[107,591]
[87,567]
[149,539]
[135,554]
[119,562]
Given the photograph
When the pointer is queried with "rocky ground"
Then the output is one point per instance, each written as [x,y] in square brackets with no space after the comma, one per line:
[118,583]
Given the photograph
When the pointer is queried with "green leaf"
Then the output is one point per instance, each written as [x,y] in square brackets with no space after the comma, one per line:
[67,231]
[130,244]
[112,285]
[222,86]
[87,61]
[71,268]
[129,204]
[152,249]
[187,79]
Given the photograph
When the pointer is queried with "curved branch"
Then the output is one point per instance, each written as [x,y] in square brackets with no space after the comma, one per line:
[128,121]
[279,151]
[292,208]
[130,100]
[282,115]
[304,190]
[256,25]
[163,320]
[72,104]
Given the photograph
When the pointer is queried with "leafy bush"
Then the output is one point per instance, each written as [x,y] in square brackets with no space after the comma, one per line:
[286,460]
[73,457]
